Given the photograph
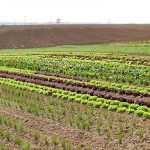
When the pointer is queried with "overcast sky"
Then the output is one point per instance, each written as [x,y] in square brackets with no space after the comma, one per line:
[76,11]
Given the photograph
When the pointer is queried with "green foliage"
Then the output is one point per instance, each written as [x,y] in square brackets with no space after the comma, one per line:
[129,110]
[26,145]
[121,109]
[18,141]
[146,114]
[141,133]
[54,140]
[115,102]
[124,104]
[120,133]
[63,144]
[144,108]
[139,112]
[133,106]
[112,107]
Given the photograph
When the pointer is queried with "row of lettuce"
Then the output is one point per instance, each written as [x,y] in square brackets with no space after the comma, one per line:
[101,70]
[140,60]
[113,105]
[104,84]
[80,51]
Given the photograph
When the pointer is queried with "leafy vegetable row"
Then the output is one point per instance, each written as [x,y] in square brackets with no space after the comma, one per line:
[81,98]
[103,70]
[99,56]
[76,87]
[115,86]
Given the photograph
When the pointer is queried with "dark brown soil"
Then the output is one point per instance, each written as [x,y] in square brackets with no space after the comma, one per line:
[51,35]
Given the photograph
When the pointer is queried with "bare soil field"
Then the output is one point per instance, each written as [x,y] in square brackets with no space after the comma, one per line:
[32,36]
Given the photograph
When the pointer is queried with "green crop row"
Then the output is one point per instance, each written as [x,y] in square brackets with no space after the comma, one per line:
[118,86]
[101,70]
[17,125]
[95,56]
[21,143]
[82,98]
[105,84]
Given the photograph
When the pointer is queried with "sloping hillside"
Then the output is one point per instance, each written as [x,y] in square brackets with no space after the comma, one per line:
[51,35]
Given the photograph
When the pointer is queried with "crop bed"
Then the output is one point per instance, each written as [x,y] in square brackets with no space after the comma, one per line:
[71,100]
